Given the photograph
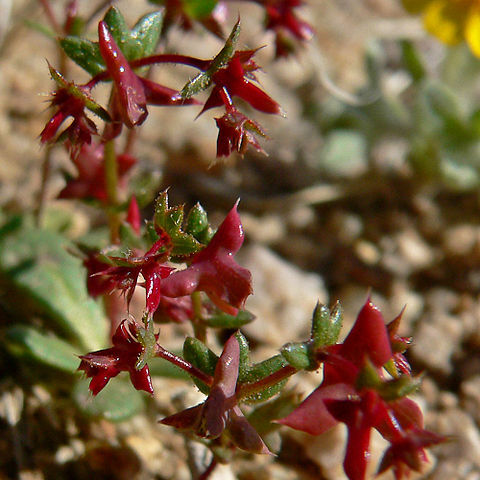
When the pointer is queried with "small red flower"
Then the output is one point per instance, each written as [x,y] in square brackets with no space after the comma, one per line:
[123,275]
[214,270]
[220,411]
[345,396]
[90,181]
[103,365]
[236,132]
[236,78]
[70,100]
[281,19]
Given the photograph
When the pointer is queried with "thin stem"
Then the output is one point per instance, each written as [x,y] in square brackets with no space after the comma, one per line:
[199,329]
[42,195]
[247,389]
[183,364]
[50,16]
[206,474]
[111,184]
[154,60]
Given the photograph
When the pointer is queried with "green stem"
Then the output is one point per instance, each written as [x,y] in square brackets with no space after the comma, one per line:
[247,389]
[111,184]
[199,328]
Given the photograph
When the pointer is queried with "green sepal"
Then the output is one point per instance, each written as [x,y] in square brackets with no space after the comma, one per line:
[368,377]
[204,79]
[300,355]
[117,401]
[170,220]
[84,53]
[399,387]
[197,220]
[326,325]
[200,356]
[146,337]
[28,342]
[224,320]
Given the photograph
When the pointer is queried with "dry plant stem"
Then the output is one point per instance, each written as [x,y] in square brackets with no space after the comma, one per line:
[42,194]
[111,183]
[183,364]
[199,329]
[248,389]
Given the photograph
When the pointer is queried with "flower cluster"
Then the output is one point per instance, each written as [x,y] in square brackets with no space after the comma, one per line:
[356,391]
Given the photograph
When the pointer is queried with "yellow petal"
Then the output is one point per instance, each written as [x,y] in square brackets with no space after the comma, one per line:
[415,6]
[446,20]
[472,30]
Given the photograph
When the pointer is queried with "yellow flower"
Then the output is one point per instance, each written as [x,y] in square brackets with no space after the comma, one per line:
[451,21]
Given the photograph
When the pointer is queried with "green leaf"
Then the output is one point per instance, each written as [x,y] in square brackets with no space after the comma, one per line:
[170,220]
[118,401]
[26,341]
[40,277]
[147,31]
[299,356]
[326,326]
[223,320]
[199,355]
[204,79]
[84,53]
[139,42]
[198,9]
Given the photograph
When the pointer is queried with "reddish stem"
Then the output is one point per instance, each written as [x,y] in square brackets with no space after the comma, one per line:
[51,17]
[154,60]
[246,389]
[183,364]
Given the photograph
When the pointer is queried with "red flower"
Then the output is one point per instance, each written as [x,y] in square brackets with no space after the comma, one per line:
[214,270]
[236,132]
[90,182]
[103,365]
[354,391]
[70,100]
[220,411]
[236,79]
[408,452]
[281,18]
[124,273]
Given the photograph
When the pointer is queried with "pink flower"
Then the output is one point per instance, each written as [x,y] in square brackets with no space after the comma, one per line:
[214,270]
[90,180]
[220,411]
[103,365]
